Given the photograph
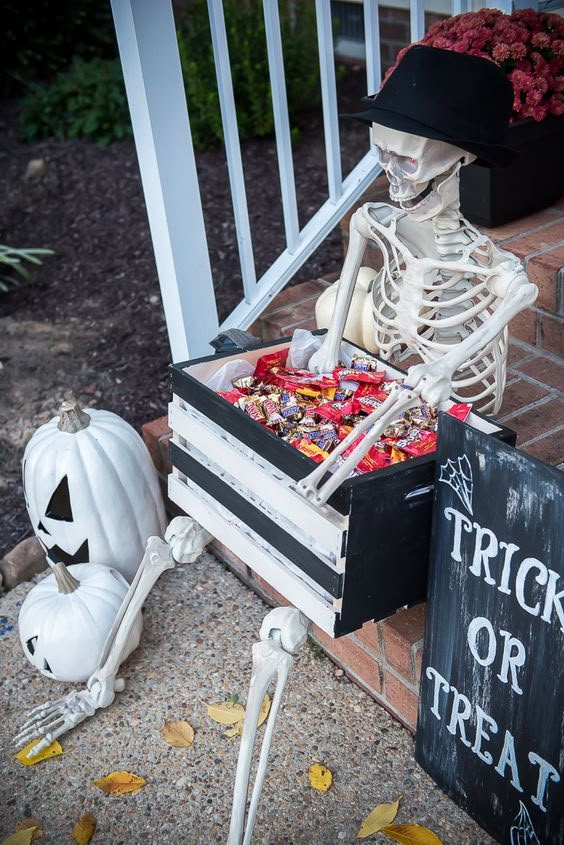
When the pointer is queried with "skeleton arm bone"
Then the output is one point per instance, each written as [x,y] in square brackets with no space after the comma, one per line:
[185,540]
[327,357]
[519,294]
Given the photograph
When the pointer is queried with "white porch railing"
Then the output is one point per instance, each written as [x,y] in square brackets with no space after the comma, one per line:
[151,66]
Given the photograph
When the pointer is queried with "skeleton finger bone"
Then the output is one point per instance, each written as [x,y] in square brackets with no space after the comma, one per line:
[271,662]
[311,487]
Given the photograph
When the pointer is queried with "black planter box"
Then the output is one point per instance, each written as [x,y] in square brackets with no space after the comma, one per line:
[491,196]
[361,556]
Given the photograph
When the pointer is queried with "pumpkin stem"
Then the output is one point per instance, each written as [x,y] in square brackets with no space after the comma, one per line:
[72,418]
[66,582]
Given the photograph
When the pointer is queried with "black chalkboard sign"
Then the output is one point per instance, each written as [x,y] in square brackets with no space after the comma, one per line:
[490,712]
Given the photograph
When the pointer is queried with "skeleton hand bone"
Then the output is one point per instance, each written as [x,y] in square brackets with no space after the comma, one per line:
[433,381]
[48,721]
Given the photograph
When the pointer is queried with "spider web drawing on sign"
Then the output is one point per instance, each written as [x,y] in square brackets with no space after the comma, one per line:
[458,475]
[522,831]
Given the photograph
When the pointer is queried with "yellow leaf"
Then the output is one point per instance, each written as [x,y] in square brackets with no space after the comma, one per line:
[382,815]
[237,730]
[226,712]
[20,837]
[320,777]
[83,830]
[411,834]
[52,750]
[179,734]
[25,824]
[120,783]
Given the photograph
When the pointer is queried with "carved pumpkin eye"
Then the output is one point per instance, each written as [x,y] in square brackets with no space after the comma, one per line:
[30,645]
[59,506]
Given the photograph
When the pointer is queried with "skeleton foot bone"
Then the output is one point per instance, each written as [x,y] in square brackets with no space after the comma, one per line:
[186,540]
[282,634]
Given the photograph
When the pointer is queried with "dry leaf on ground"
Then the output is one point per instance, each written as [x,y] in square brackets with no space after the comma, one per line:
[52,750]
[179,734]
[83,830]
[320,777]
[382,815]
[226,712]
[237,729]
[120,783]
[20,837]
[25,824]
[411,834]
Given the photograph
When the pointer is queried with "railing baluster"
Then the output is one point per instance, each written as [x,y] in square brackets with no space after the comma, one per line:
[461,6]
[155,91]
[232,147]
[417,19]
[372,42]
[281,123]
[329,98]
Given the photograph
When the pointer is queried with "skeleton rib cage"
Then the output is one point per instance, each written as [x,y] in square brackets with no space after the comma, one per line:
[424,305]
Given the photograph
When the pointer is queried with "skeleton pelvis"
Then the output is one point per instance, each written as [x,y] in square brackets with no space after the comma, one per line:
[359,327]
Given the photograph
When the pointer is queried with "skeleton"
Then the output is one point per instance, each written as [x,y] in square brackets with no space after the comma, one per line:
[445,292]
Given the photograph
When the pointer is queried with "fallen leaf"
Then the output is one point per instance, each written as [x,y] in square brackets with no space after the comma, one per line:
[320,777]
[411,834]
[83,830]
[226,712]
[382,815]
[20,837]
[237,729]
[52,750]
[25,824]
[179,734]
[120,783]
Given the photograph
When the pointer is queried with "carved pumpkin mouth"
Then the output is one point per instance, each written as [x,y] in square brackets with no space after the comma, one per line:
[58,555]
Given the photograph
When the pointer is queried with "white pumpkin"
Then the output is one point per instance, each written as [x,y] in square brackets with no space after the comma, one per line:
[66,617]
[91,490]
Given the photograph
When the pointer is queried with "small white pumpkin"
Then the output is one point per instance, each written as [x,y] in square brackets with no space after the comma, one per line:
[66,617]
[91,490]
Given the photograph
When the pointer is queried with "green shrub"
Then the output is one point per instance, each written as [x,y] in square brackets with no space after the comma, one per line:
[11,265]
[39,39]
[86,101]
[246,37]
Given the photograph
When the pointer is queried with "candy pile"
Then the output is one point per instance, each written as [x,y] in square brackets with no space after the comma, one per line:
[315,412]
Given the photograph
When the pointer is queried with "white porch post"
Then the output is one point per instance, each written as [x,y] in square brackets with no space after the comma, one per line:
[155,91]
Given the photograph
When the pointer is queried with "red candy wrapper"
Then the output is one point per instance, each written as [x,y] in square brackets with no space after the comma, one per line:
[423,445]
[311,450]
[266,362]
[363,376]
[231,396]
[460,411]
[335,411]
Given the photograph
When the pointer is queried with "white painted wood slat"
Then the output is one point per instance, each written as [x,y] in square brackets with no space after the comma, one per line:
[281,122]
[151,65]
[417,19]
[232,147]
[329,98]
[263,484]
[372,42]
[246,545]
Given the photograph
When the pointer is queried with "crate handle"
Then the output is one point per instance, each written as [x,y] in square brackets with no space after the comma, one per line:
[232,339]
[419,491]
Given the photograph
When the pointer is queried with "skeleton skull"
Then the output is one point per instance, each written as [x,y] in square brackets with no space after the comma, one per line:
[414,166]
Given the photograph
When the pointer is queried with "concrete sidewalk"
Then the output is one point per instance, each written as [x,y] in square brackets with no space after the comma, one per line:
[200,623]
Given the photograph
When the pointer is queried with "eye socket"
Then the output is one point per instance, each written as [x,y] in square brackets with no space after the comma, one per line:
[408,165]
[59,506]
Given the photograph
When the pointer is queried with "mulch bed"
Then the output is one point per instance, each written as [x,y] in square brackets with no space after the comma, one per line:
[92,323]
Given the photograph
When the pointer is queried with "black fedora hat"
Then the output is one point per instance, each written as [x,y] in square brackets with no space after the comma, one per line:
[464,100]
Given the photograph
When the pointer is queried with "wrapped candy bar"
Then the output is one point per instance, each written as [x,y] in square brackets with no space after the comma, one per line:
[366,376]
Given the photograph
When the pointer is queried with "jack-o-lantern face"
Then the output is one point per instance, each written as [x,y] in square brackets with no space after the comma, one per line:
[59,509]
[92,492]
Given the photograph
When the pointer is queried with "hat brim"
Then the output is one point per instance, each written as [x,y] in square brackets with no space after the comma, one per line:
[488,154]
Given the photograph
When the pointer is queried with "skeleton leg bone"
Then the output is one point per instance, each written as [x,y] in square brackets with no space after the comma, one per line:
[398,400]
[282,633]
[186,539]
